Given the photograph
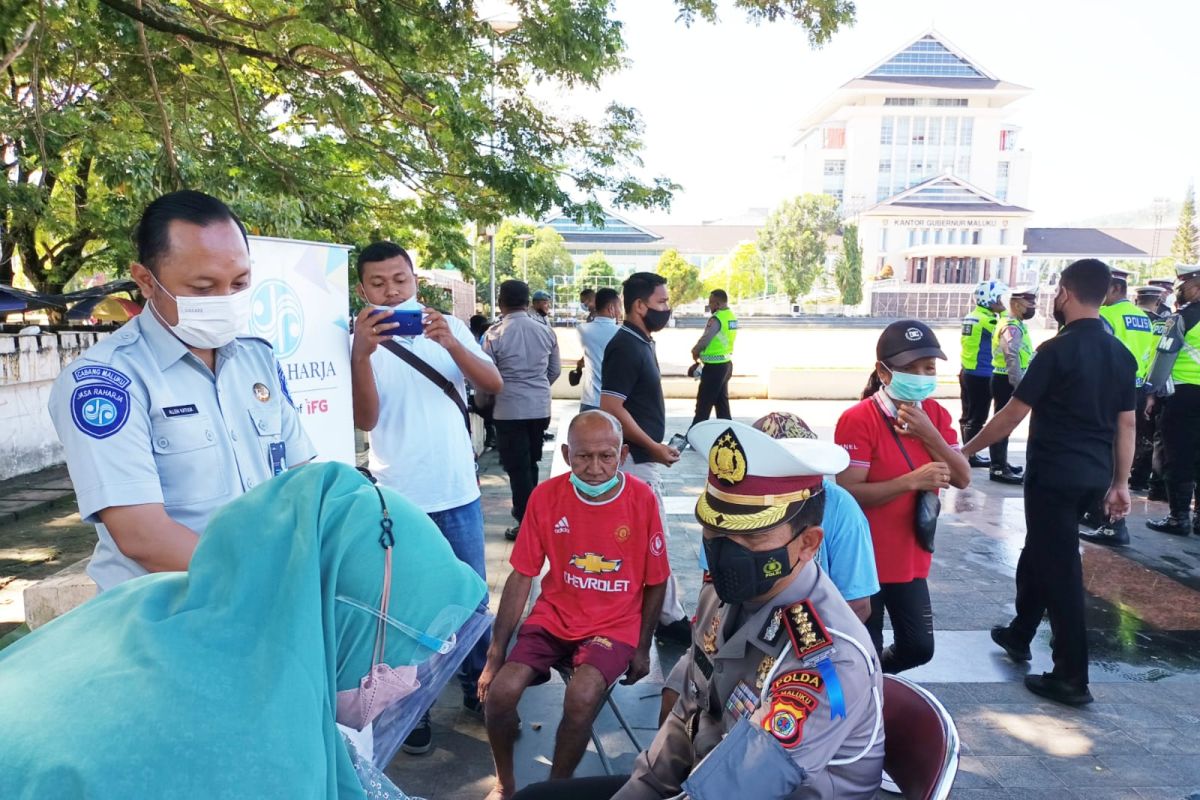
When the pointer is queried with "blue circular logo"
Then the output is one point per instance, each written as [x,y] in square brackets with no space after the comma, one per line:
[276,315]
[99,410]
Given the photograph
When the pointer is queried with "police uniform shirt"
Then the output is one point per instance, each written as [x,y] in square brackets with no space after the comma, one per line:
[143,420]
[731,672]
[1077,385]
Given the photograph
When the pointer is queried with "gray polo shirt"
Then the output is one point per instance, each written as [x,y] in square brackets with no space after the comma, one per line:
[526,353]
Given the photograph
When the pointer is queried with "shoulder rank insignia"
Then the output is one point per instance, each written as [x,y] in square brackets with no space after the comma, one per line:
[809,637]
[709,639]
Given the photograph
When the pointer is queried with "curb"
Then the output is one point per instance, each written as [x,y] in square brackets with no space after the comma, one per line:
[34,507]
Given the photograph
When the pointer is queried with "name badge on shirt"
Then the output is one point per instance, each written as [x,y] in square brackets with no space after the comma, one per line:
[278,455]
[179,411]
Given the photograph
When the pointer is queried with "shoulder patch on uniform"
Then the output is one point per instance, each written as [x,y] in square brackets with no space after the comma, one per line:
[785,720]
[798,680]
[99,409]
[101,373]
[809,638]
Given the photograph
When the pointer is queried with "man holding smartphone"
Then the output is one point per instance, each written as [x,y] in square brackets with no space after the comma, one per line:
[420,445]
[631,390]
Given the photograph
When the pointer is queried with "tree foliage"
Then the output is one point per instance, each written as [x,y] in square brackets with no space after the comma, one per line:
[849,267]
[794,240]
[683,278]
[739,273]
[595,266]
[332,121]
[1183,246]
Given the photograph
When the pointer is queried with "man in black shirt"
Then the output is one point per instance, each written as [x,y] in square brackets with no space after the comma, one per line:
[631,390]
[1080,388]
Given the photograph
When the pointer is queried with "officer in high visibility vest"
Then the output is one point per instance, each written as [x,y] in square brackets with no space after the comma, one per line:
[1147,459]
[1012,350]
[714,351]
[1181,411]
[1168,289]
[1132,327]
[975,378]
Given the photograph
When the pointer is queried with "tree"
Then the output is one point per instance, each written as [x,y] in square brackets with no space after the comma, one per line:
[341,123]
[849,267]
[595,266]
[739,273]
[1183,247]
[548,258]
[794,237]
[683,278]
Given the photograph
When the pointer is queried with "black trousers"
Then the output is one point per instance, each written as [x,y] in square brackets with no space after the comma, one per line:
[976,394]
[1050,574]
[596,787]
[519,443]
[1143,449]
[1002,391]
[908,608]
[1181,446]
[713,391]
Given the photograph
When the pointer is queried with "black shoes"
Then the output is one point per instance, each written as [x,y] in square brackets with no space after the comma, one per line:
[678,632]
[1056,689]
[979,462]
[1005,474]
[1112,534]
[511,533]
[420,740]
[1176,526]
[1004,636]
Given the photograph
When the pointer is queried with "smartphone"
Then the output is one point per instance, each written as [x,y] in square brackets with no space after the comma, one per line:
[409,321]
[678,441]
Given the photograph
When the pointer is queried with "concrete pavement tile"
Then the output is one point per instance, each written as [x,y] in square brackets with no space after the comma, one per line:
[1035,792]
[1021,771]
[1105,793]
[992,793]
[1162,741]
[1168,793]
[1146,769]
[1080,771]
[973,774]
[993,741]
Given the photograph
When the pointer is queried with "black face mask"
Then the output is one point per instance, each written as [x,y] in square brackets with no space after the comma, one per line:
[1029,313]
[740,574]
[656,319]
[1059,316]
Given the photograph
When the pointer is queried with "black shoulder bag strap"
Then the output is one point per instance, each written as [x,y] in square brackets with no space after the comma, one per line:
[436,378]
[892,428]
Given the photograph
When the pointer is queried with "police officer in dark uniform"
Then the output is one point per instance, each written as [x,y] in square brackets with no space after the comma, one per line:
[1168,289]
[1080,389]
[1179,351]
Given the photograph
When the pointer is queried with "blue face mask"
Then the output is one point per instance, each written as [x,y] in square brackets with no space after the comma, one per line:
[909,388]
[594,490]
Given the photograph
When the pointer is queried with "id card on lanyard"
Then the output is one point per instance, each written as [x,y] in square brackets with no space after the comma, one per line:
[277,453]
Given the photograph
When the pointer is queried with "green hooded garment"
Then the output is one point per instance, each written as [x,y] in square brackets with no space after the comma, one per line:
[220,682]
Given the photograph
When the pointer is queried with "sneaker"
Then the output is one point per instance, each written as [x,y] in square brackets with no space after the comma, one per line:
[511,533]
[1110,534]
[678,632]
[1005,475]
[1176,526]
[1056,689]
[420,739]
[1004,636]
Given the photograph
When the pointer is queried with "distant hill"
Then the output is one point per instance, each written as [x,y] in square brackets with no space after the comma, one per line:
[1135,218]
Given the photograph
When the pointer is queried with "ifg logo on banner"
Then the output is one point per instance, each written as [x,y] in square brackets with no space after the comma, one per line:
[278,317]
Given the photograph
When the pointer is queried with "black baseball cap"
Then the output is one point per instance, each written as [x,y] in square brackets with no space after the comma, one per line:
[905,341]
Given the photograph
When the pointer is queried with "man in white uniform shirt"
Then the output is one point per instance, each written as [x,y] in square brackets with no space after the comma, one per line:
[595,335]
[420,445]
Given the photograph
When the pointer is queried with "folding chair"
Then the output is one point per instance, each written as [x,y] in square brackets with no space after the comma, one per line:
[565,673]
[920,751]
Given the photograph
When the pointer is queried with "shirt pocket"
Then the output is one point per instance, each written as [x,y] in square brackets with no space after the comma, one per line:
[267,423]
[189,462]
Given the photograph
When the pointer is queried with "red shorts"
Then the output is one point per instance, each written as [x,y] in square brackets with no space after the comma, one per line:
[541,650]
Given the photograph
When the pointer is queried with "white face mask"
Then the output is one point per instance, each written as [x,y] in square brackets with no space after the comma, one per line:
[207,323]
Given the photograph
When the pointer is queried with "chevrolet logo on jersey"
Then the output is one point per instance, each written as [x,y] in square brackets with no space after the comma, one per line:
[595,564]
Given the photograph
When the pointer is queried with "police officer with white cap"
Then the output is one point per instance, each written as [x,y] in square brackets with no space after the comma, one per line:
[178,412]
[1175,376]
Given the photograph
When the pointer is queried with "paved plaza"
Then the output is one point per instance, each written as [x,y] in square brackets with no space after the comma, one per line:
[1140,739]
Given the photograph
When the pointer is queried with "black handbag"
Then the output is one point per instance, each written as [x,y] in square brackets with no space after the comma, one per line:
[929,504]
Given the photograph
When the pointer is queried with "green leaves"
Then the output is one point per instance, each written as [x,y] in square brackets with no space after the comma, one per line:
[794,237]
[848,271]
[683,278]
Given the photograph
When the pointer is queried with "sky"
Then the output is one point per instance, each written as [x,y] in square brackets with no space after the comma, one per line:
[1112,123]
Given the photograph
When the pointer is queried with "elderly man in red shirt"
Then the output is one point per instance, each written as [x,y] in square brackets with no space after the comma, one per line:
[601,532]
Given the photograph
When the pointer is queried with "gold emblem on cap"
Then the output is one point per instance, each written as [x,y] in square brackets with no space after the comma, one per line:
[727,459]
[261,392]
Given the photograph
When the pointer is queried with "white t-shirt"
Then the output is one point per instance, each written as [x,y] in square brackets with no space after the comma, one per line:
[420,446]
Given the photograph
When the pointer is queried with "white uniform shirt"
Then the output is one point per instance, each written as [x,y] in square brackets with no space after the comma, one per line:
[420,446]
[594,336]
[143,420]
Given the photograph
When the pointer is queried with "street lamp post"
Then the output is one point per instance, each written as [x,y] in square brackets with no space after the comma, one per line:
[525,238]
[500,25]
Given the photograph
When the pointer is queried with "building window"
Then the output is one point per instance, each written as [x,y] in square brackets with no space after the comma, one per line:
[934,136]
[918,130]
[883,239]
[1004,236]
[1008,139]
[963,168]
[836,194]
[975,236]
[951,138]
[885,130]
[902,129]
[967,129]
[834,138]
[835,167]
[885,165]
[1002,180]
[950,101]
[899,101]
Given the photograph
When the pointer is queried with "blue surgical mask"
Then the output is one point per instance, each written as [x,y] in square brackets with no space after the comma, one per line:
[909,388]
[594,490]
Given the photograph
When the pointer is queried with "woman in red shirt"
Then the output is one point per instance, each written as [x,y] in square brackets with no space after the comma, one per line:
[897,400]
